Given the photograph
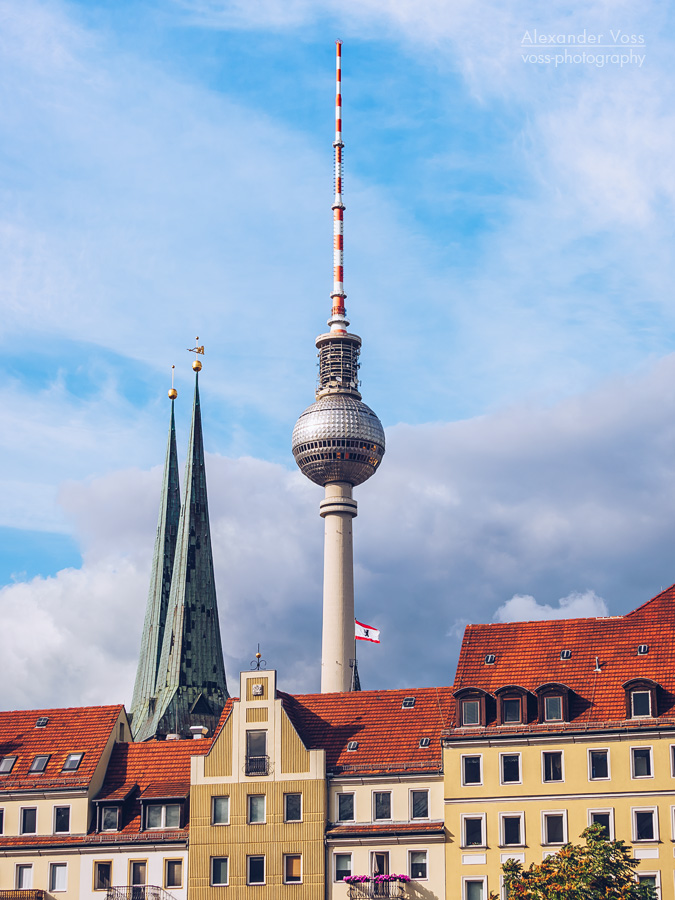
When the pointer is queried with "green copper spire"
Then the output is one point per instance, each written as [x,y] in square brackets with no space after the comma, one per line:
[160,586]
[191,687]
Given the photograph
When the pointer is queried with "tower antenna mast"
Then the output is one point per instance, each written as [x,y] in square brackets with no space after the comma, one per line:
[338,323]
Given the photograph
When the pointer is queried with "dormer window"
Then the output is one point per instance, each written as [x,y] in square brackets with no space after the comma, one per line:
[553,702]
[7,764]
[511,712]
[471,707]
[512,705]
[39,764]
[641,704]
[641,699]
[553,709]
[470,712]
[110,818]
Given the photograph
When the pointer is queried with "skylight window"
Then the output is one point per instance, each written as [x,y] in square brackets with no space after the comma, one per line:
[39,764]
[7,764]
[72,762]
[42,721]
[424,742]
[490,659]
[643,649]
[408,703]
[353,745]
[565,654]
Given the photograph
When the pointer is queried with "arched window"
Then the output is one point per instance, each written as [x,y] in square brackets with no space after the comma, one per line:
[553,702]
[641,698]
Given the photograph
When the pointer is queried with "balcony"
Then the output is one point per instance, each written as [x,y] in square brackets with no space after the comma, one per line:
[136,892]
[378,886]
[23,894]
[257,765]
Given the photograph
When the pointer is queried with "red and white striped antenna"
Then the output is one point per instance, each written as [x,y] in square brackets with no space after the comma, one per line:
[338,322]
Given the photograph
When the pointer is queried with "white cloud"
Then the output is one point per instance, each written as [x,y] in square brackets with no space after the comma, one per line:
[577,605]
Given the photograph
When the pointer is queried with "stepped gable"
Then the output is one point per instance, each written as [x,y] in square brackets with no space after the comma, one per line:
[527,655]
[388,735]
[84,730]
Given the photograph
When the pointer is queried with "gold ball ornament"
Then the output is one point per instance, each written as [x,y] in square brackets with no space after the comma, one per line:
[173,393]
[197,366]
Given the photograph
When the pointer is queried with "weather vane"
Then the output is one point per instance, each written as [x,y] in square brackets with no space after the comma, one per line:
[173,393]
[258,663]
[196,365]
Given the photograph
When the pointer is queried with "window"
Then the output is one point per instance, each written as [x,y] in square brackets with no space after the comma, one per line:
[7,764]
[643,649]
[255,870]
[473,828]
[471,770]
[379,863]
[553,709]
[474,888]
[109,818]
[511,714]
[598,764]
[137,872]
[424,743]
[552,766]
[408,703]
[57,877]
[24,878]
[256,753]
[382,805]
[512,829]
[642,762]
[604,817]
[61,820]
[470,712]
[219,870]
[220,811]
[641,704]
[490,659]
[345,807]
[419,804]
[72,762]
[173,873]
[292,868]
[565,654]
[343,866]
[39,764]
[2,821]
[102,876]
[417,865]
[256,809]
[353,745]
[645,826]
[653,879]
[29,820]
[555,828]
[510,768]
[292,807]
[163,815]
[42,721]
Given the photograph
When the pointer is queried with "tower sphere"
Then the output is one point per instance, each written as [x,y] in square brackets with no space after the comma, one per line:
[338,438]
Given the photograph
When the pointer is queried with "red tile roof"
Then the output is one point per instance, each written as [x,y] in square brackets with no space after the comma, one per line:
[74,730]
[528,655]
[154,769]
[388,736]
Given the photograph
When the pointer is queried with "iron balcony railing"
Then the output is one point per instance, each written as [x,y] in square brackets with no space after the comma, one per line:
[257,765]
[23,894]
[373,888]
[138,892]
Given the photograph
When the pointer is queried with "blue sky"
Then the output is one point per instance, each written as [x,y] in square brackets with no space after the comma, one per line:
[165,171]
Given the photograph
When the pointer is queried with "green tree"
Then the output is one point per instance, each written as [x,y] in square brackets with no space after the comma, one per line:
[599,870]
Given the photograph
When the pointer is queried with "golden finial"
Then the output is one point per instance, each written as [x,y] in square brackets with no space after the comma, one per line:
[196,365]
[173,393]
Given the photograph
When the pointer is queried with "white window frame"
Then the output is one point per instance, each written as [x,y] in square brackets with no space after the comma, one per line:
[672,760]
[339,794]
[562,767]
[410,804]
[590,767]
[61,806]
[561,699]
[553,812]
[632,762]
[603,810]
[511,814]
[117,819]
[654,810]
[283,862]
[21,812]
[248,815]
[212,883]
[213,811]
[426,855]
[52,866]
[467,878]
[249,857]
[461,707]
[520,768]
[461,763]
[656,875]
[163,826]
[483,843]
[293,821]
[391,806]
[17,867]
[632,706]
[337,853]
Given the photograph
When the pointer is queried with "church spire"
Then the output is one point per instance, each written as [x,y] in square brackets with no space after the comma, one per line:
[160,582]
[191,686]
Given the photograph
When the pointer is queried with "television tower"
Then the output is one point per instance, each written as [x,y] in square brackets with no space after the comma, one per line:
[338,442]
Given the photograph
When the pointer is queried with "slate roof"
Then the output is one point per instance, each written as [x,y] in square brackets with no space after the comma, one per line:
[528,655]
[72,730]
[388,736]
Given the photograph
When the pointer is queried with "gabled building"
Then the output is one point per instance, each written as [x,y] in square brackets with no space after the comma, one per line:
[558,725]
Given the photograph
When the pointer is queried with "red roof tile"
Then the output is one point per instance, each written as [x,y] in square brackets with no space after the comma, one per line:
[527,654]
[388,736]
[73,730]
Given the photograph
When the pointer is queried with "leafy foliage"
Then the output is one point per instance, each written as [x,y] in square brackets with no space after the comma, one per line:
[599,870]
